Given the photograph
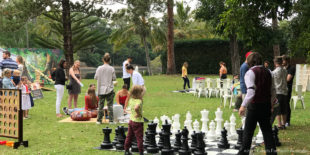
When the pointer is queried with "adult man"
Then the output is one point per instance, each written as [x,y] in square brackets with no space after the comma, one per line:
[243,69]
[105,75]
[260,95]
[7,62]
[126,75]
[290,77]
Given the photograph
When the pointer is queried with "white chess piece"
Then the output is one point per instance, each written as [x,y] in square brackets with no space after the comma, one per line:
[233,132]
[204,120]
[218,119]
[156,120]
[188,122]
[176,123]
[164,118]
[196,126]
[211,134]
[259,136]
[188,116]
[243,122]
[227,127]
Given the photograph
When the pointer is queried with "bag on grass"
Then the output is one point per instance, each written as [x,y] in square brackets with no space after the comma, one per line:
[81,115]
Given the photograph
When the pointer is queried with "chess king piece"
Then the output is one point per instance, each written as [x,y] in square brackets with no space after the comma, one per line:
[200,148]
[196,126]
[259,136]
[275,132]
[240,138]
[176,123]
[204,120]
[115,140]
[156,120]
[211,134]
[219,120]
[233,133]
[223,144]
[152,147]
[227,126]
[177,144]
[167,150]
[120,138]
[106,144]
[184,148]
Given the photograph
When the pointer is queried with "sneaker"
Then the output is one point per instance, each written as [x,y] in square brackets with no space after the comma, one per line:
[98,123]
[65,110]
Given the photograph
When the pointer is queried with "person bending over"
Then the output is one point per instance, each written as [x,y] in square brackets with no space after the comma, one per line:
[122,95]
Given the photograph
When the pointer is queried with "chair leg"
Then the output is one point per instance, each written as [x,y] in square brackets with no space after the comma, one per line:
[295,102]
[303,103]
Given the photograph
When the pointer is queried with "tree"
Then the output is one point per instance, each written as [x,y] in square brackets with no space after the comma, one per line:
[138,22]
[170,36]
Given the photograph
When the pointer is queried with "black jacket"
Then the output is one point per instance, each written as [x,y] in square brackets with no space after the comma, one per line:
[60,76]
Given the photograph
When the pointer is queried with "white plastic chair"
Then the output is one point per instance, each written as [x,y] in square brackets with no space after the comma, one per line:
[226,95]
[213,87]
[299,97]
[218,87]
[200,85]
[207,86]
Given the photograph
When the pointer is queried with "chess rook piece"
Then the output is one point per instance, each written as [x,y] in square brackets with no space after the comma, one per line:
[240,138]
[106,144]
[121,138]
[152,147]
[275,132]
[160,143]
[177,143]
[184,148]
[134,146]
[200,148]
[115,137]
[167,145]
[223,144]
[194,142]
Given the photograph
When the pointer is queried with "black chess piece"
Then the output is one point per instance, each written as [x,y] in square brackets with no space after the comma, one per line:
[146,139]
[106,144]
[223,144]
[121,138]
[134,145]
[152,147]
[114,142]
[177,144]
[200,147]
[184,148]
[240,138]
[167,150]
[275,132]
[194,142]
[160,143]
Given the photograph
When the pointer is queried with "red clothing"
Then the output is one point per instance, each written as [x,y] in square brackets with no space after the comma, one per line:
[122,100]
[134,129]
[88,105]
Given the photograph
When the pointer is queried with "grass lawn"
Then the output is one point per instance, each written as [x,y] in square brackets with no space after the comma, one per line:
[47,136]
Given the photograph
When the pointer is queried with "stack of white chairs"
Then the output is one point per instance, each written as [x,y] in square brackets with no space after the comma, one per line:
[299,97]
[213,87]
[227,94]
[200,88]
[207,86]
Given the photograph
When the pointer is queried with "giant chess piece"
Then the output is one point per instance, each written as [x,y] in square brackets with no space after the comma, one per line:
[120,138]
[196,126]
[219,120]
[240,138]
[275,132]
[114,142]
[167,150]
[223,144]
[160,143]
[185,148]
[134,146]
[194,142]
[156,120]
[177,143]
[204,119]
[106,144]
[233,133]
[259,136]
[188,122]
[200,148]
[152,147]
[211,133]
[176,123]
[146,139]
[227,126]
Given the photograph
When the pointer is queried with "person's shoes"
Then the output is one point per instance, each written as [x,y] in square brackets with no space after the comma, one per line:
[65,110]
[98,123]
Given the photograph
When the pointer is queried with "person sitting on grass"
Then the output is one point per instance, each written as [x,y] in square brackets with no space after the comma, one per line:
[122,95]
[7,82]
[135,126]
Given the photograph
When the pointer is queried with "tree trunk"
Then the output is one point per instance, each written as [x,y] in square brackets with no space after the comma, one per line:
[67,34]
[276,46]
[234,53]
[170,37]
[147,55]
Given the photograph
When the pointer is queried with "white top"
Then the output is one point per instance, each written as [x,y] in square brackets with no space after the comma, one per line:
[279,76]
[21,68]
[105,75]
[250,83]
[137,79]
[125,74]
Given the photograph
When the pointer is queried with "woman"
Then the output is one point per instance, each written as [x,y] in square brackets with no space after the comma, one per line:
[184,75]
[223,70]
[75,84]
[60,80]
[122,95]
[20,62]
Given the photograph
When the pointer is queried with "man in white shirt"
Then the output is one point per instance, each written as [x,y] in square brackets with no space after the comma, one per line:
[137,78]
[126,75]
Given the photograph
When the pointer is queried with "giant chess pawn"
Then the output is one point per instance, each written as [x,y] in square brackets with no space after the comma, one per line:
[177,143]
[219,120]
[204,120]
[211,134]
[185,148]
[176,123]
[240,138]
[259,136]
[152,147]
[227,126]
[196,126]
[156,120]
[121,138]
[106,144]
[275,132]
[233,133]
[200,147]
[167,145]
[223,144]
[115,140]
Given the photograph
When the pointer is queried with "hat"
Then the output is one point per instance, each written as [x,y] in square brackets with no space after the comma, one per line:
[247,54]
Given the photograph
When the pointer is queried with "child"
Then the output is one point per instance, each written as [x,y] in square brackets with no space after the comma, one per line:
[16,77]
[26,104]
[184,75]
[7,82]
[135,126]
[91,100]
